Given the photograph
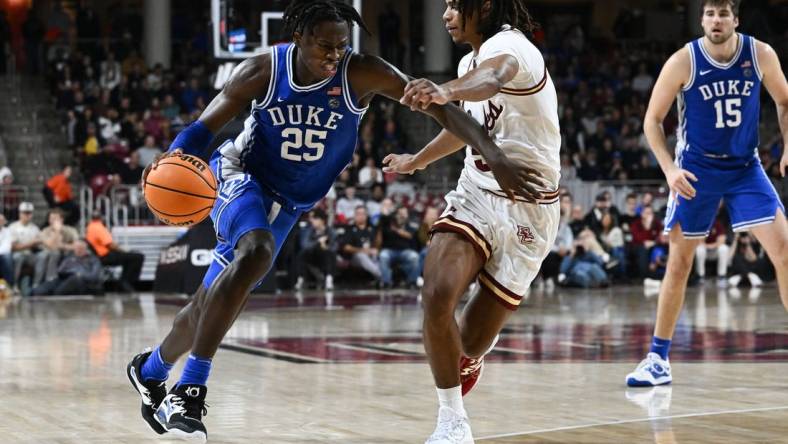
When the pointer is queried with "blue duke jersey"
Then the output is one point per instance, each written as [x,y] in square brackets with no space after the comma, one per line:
[298,139]
[719,108]
[295,143]
[719,111]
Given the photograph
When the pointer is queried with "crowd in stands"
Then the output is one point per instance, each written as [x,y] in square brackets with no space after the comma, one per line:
[56,260]
[120,114]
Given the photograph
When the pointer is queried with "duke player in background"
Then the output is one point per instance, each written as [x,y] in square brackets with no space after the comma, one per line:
[307,100]
[504,84]
[717,80]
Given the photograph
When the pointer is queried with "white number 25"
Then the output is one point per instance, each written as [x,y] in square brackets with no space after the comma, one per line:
[296,140]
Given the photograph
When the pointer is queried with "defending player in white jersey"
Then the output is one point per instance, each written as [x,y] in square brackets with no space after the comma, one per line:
[485,233]
[717,80]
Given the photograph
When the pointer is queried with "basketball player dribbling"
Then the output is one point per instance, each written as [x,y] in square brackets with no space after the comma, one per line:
[307,100]
[717,79]
[504,84]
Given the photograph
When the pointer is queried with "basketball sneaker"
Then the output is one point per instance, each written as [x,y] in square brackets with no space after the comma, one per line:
[471,369]
[650,372]
[152,392]
[452,428]
[181,412]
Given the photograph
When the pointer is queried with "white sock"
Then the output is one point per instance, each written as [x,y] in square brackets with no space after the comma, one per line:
[452,398]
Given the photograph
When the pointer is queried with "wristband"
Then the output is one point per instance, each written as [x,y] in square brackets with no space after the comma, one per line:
[194,139]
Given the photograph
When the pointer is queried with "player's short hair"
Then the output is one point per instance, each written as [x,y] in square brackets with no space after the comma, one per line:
[734,4]
[502,12]
[306,14]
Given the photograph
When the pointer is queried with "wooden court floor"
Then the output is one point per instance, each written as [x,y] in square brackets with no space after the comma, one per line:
[348,367]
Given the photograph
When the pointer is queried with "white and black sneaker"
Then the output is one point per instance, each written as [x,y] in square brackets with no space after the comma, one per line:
[152,392]
[181,412]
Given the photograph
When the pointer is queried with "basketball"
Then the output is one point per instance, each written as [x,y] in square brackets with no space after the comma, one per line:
[181,190]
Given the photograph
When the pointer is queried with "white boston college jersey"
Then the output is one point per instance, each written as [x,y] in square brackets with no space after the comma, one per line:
[523,118]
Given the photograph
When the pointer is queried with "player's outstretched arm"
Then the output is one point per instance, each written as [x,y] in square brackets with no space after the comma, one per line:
[675,74]
[478,84]
[442,145]
[371,75]
[775,83]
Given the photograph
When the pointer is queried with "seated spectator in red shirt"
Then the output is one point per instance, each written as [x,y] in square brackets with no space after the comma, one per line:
[645,232]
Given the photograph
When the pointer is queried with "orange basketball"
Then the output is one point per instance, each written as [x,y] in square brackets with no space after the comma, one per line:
[181,190]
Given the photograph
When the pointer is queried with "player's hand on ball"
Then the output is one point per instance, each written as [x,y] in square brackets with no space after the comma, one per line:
[679,182]
[401,164]
[517,179]
[421,93]
[155,163]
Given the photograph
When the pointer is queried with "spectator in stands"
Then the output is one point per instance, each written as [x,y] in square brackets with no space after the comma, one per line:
[568,170]
[10,196]
[577,222]
[714,247]
[582,268]
[6,259]
[643,82]
[110,72]
[748,263]
[57,240]
[346,205]
[59,195]
[111,254]
[357,244]
[645,232]
[131,172]
[26,240]
[79,273]
[593,219]
[370,174]
[91,145]
[148,151]
[612,239]
[397,239]
[645,201]
[629,215]
[318,255]
[658,261]
[562,246]
[375,202]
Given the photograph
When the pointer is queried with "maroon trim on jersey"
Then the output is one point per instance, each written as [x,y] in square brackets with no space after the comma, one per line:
[527,91]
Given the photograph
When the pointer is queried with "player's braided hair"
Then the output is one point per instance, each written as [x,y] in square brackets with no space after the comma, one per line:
[502,12]
[306,14]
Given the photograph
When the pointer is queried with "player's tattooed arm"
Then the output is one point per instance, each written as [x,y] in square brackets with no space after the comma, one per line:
[775,83]
[675,74]
[478,84]
[371,75]
[248,81]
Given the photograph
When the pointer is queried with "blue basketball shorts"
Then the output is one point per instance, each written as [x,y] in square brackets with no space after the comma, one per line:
[243,206]
[748,194]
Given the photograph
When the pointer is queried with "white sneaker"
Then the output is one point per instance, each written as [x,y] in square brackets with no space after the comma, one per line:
[734,280]
[419,281]
[329,282]
[651,283]
[722,282]
[651,371]
[299,284]
[755,281]
[452,428]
